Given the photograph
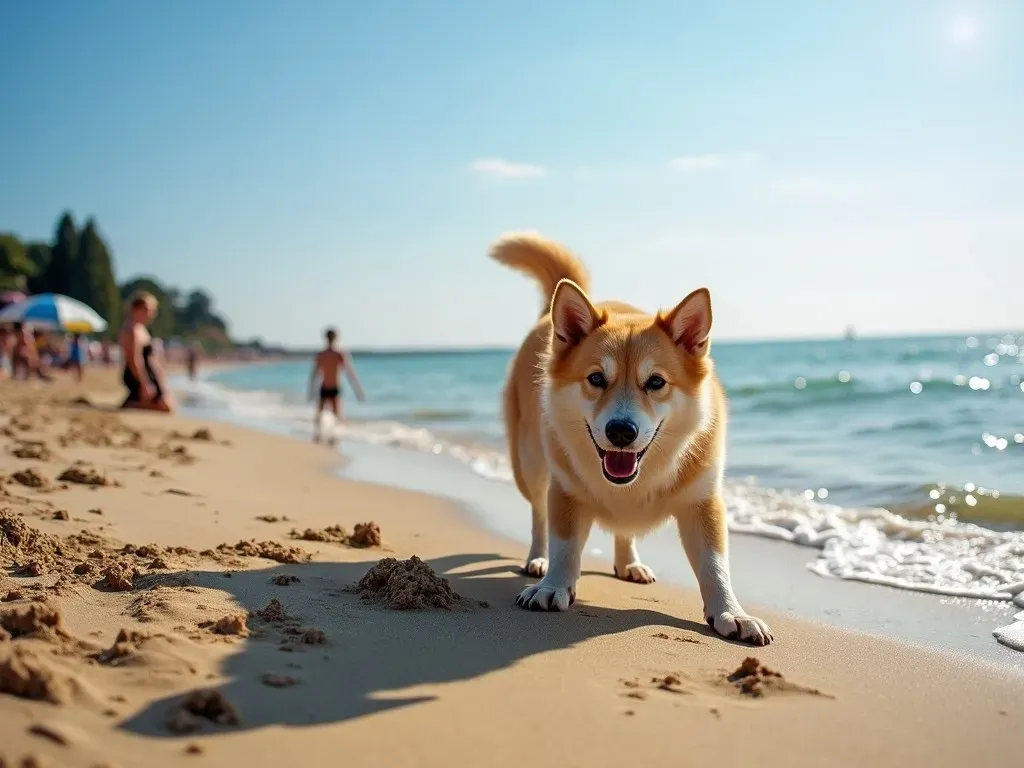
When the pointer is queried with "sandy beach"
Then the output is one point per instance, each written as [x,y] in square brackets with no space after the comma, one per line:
[185,592]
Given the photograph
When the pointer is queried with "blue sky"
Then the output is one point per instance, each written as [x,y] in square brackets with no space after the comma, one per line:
[816,164]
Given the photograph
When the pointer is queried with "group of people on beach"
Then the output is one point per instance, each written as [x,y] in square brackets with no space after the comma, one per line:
[29,353]
[26,353]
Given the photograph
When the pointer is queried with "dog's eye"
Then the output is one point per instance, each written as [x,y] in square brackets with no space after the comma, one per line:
[598,380]
[654,383]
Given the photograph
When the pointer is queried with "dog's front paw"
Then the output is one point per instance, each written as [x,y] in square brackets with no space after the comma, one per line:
[546,597]
[637,572]
[748,629]
[536,567]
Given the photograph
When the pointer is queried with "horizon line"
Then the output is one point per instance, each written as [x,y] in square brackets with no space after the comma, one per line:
[469,349]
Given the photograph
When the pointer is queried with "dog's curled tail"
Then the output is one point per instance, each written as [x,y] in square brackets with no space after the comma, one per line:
[544,260]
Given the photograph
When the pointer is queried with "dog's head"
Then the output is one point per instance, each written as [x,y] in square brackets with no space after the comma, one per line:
[624,390]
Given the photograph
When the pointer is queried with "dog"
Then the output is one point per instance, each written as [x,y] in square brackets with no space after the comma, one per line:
[615,417]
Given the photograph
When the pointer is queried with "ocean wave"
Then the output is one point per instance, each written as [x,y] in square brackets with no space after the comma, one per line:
[947,557]
[437,414]
[802,394]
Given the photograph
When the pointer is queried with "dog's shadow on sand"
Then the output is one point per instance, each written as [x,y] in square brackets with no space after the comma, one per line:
[372,653]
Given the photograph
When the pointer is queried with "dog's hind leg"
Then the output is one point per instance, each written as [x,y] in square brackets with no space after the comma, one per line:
[627,561]
[531,475]
[534,470]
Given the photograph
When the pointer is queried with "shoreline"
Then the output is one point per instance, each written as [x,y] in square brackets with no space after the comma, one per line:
[958,625]
[485,682]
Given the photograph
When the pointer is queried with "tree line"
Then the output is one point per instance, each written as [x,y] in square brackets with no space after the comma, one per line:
[77,262]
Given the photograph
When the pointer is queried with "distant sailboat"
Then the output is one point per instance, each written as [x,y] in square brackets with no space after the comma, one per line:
[850,334]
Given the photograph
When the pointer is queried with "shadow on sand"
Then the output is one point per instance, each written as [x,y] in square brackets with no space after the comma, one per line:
[372,652]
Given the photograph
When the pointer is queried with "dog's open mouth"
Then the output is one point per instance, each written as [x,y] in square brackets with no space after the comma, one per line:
[620,467]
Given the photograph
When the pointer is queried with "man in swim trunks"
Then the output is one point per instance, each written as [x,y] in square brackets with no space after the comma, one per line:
[328,367]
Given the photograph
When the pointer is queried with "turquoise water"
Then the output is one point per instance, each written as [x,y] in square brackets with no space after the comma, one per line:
[861,422]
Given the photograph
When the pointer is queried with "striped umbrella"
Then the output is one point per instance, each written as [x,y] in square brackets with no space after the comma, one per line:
[54,310]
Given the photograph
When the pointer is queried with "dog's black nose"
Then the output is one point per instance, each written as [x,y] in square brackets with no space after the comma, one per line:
[620,432]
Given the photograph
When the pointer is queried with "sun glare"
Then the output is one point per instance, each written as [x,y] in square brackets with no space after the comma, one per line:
[963,31]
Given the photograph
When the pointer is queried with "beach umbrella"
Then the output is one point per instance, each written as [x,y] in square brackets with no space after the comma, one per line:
[54,311]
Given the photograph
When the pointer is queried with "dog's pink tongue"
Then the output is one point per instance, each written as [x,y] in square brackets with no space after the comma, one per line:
[620,463]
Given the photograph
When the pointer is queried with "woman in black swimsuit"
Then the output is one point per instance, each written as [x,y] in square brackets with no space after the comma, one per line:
[142,375]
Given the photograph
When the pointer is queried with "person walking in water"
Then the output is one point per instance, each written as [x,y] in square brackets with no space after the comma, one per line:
[192,359]
[328,367]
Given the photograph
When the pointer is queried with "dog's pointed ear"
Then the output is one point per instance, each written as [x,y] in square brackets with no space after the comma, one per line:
[689,324]
[573,317]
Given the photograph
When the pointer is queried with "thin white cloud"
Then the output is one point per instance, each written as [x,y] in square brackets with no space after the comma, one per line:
[711,162]
[801,186]
[808,187]
[497,168]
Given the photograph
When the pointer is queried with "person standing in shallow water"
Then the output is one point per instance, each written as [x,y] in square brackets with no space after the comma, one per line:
[192,359]
[329,365]
[143,375]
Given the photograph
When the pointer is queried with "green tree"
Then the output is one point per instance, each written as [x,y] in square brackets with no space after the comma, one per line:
[61,269]
[39,253]
[15,264]
[93,276]
[198,313]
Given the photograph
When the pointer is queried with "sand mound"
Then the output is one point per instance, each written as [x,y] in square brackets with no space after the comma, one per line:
[332,533]
[233,624]
[27,675]
[752,678]
[202,434]
[119,576]
[34,620]
[31,449]
[125,646]
[25,548]
[208,704]
[81,474]
[270,550]
[364,535]
[274,612]
[30,478]
[406,584]
[176,453]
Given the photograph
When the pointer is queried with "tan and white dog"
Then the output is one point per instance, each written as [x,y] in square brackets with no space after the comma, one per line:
[616,417]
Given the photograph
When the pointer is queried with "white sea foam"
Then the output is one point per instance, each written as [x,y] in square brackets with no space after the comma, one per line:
[875,546]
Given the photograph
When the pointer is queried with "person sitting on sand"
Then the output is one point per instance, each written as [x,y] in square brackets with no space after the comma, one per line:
[24,356]
[143,375]
[328,367]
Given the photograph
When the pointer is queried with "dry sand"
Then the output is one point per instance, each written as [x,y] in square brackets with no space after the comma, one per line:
[173,595]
